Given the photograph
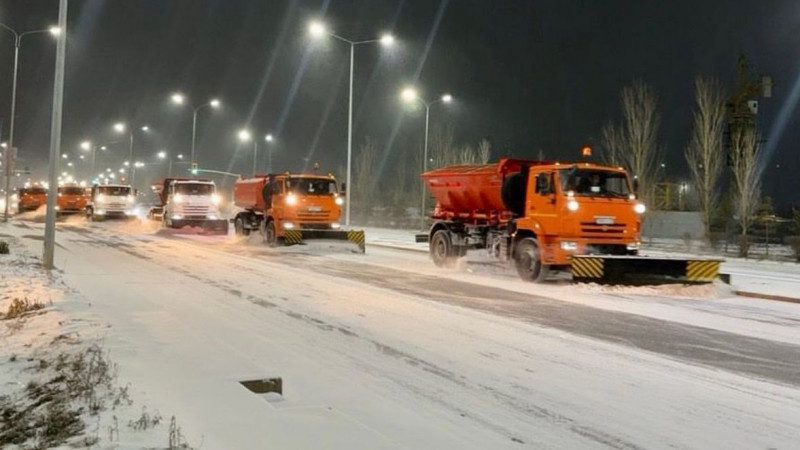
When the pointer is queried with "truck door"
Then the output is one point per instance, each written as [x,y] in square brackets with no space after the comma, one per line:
[542,201]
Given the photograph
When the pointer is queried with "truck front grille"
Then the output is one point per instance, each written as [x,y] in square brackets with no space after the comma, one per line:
[605,230]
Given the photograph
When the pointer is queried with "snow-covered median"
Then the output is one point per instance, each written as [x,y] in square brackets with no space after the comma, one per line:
[58,384]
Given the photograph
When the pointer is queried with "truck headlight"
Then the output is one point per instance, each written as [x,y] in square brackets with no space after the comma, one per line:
[339,201]
[178,198]
[572,205]
[291,199]
[287,225]
[336,225]
[131,199]
[177,217]
[569,246]
[216,199]
[639,208]
[101,197]
[632,246]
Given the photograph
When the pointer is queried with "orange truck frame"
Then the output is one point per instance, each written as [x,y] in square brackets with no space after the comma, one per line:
[543,216]
[31,198]
[288,208]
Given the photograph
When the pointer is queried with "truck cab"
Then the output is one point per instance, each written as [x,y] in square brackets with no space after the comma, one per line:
[31,198]
[71,200]
[108,201]
[188,202]
[581,209]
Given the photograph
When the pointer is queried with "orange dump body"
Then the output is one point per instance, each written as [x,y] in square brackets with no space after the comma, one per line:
[473,191]
[247,193]
[32,198]
[71,199]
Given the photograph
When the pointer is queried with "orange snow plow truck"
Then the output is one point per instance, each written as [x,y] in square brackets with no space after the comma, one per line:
[542,216]
[289,208]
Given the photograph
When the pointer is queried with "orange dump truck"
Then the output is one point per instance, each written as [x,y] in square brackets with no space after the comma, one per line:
[292,208]
[31,198]
[71,200]
[544,216]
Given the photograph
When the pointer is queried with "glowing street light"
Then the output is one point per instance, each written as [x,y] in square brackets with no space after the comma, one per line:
[55,31]
[410,95]
[214,103]
[317,30]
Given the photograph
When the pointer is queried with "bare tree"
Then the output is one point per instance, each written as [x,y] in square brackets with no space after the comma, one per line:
[442,151]
[484,151]
[363,194]
[634,140]
[704,154]
[467,155]
[612,144]
[746,179]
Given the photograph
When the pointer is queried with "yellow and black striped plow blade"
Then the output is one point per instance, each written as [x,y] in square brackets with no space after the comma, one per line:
[642,270]
[357,237]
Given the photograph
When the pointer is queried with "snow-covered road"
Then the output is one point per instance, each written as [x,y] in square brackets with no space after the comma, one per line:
[385,351]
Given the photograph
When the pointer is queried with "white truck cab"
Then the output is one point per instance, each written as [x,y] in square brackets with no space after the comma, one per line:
[111,201]
[192,203]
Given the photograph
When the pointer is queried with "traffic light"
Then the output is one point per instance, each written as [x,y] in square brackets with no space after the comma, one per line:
[194,168]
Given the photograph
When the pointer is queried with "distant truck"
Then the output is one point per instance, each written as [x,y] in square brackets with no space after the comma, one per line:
[189,202]
[110,201]
[288,208]
[542,216]
[71,200]
[31,198]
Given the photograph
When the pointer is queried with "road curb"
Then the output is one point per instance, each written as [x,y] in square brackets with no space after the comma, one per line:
[779,298]
[396,247]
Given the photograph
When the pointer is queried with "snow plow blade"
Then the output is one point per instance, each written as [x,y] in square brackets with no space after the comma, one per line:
[292,237]
[639,270]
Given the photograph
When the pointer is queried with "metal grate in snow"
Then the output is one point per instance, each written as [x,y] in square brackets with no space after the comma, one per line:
[264,385]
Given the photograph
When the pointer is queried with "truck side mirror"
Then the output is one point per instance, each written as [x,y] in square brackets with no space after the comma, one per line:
[343,189]
[543,184]
[636,186]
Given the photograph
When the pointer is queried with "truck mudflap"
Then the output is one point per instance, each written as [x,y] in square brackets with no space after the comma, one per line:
[357,237]
[639,270]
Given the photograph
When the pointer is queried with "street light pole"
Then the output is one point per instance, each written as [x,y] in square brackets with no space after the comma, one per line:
[409,94]
[317,29]
[255,155]
[17,43]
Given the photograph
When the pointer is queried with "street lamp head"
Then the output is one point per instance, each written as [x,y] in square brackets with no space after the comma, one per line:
[55,31]
[145,128]
[162,154]
[387,40]
[317,29]
[178,99]
[180,156]
[86,145]
[214,103]
[103,147]
[447,98]
[244,135]
[409,94]
[64,155]
[268,138]
[119,127]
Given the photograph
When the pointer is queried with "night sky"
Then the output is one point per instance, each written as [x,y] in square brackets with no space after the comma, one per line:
[527,75]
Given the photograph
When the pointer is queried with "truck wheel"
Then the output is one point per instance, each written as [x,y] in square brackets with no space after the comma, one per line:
[441,249]
[270,236]
[528,260]
[238,226]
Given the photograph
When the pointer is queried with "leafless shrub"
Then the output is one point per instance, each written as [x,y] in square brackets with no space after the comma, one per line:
[4,248]
[176,438]
[146,421]
[20,307]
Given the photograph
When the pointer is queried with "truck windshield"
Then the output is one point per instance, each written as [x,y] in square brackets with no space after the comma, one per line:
[595,182]
[33,191]
[194,188]
[114,190]
[311,186]
[71,190]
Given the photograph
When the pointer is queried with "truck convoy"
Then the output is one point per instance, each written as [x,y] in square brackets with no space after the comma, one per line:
[291,208]
[108,201]
[189,202]
[543,216]
[71,200]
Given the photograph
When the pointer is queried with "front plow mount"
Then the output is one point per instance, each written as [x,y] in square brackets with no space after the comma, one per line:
[356,237]
[641,270]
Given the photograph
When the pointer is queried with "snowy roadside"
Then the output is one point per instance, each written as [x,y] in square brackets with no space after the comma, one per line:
[58,384]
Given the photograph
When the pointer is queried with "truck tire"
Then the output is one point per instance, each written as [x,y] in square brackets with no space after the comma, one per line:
[528,261]
[238,227]
[441,249]
[270,235]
